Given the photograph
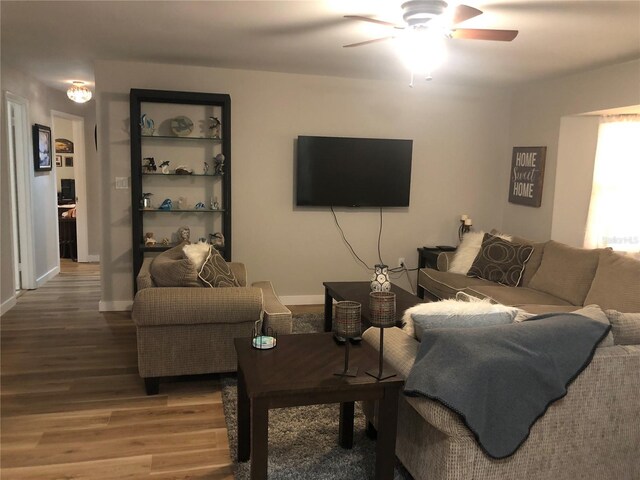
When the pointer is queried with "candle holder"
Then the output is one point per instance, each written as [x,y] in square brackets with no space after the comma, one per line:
[465,226]
[382,314]
[348,324]
[263,340]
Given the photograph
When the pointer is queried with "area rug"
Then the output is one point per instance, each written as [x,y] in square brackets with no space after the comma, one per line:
[303,441]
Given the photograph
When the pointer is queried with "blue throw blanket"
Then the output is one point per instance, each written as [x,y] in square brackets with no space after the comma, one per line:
[500,379]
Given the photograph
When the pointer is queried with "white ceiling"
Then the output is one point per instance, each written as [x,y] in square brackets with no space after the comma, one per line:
[58,41]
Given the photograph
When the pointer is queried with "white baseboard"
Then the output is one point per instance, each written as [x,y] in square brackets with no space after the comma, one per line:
[93,258]
[47,276]
[8,305]
[115,305]
[302,299]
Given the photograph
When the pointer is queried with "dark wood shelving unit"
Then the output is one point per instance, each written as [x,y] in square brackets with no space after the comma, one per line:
[222,103]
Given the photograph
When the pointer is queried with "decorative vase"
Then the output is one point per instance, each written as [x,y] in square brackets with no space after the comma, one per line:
[380,281]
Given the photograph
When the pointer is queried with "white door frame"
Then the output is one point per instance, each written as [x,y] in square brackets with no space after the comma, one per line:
[21,172]
[80,175]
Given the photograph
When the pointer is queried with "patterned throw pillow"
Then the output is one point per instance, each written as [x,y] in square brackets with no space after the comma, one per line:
[500,261]
[215,272]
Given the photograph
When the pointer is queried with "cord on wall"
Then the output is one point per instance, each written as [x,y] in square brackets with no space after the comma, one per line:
[344,238]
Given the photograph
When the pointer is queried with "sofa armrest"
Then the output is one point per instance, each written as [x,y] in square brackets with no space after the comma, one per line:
[191,305]
[276,316]
[444,261]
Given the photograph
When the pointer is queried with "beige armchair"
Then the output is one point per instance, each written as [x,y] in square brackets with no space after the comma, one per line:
[190,330]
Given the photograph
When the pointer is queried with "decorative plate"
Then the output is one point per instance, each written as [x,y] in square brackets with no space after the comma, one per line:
[181,126]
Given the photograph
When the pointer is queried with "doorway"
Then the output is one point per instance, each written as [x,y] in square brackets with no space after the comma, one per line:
[70,161]
[20,173]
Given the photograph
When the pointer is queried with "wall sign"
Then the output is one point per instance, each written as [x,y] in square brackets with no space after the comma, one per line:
[527,175]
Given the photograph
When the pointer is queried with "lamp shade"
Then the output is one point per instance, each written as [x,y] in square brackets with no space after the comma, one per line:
[382,309]
[348,319]
[79,93]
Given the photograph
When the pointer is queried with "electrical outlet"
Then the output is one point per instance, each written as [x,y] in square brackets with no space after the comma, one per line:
[401,262]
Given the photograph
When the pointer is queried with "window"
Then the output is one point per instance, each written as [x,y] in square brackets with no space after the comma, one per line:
[614,211]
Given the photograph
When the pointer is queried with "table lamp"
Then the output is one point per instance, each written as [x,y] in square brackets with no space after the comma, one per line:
[382,314]
[347,324]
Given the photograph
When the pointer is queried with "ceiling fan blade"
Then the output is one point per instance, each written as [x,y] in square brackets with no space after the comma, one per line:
[367,42]
[464,12]
[373,20]
[482,34]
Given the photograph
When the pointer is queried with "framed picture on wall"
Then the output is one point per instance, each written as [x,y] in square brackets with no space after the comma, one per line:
[42,156]
[58,160]
[68,161]
[527,175]
[64,146]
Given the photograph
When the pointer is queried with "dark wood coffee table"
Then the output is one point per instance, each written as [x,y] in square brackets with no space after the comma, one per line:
[300,371]
[359,292]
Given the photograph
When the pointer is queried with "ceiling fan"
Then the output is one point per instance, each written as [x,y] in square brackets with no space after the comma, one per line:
[435,14]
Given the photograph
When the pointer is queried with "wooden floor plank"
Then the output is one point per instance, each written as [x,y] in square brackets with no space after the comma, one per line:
[73,405]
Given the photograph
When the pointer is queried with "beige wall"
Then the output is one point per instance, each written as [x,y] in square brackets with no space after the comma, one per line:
[42,100]
[460,140]
[536,113]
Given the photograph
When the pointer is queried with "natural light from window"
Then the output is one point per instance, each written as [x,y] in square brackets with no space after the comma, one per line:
[614,211]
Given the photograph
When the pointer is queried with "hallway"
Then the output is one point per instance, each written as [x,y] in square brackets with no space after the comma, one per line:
[73,405]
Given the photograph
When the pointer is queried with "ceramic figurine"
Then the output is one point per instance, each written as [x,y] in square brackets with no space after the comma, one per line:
[149,241]
[166,205]
[184,233]
[218,164]
[217,240]
[214,126]
[147,126]
[146,200]
[214,203]
[183,170]
[205,169]
[199,206]
[166,241]
[150,165]
[164,166]
[380,280]
[181,203]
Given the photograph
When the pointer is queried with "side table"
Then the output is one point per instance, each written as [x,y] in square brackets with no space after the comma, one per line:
[428,257]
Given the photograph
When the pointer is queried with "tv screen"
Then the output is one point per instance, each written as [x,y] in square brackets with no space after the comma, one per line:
[353,172]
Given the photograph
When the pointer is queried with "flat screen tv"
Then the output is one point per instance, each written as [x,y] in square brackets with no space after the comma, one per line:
[353,172]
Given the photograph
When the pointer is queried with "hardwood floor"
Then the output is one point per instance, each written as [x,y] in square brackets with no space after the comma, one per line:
[74,407]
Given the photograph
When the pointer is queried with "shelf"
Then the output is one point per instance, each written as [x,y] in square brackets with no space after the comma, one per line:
[181,174]
[157,248]
[183,210]
[175,137]
[194,151]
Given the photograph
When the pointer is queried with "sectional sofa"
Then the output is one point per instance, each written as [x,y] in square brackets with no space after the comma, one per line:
[591,433]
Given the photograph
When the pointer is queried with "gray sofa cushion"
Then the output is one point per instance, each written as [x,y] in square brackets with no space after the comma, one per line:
[446,284]
[514,295]
[616,284]
[172,269]
[566,272]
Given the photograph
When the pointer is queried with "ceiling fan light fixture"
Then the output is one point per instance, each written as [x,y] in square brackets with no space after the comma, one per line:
[79,93]
[422,50]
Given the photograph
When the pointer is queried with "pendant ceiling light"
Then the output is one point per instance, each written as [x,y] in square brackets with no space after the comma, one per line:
[79,93]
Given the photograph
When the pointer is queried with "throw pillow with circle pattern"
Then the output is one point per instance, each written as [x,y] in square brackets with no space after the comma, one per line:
[500,261]
[216,272]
